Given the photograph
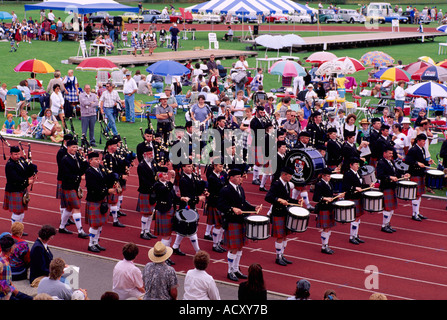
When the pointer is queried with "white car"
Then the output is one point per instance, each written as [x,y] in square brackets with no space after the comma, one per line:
[300,18]
[211,18]
[351,16]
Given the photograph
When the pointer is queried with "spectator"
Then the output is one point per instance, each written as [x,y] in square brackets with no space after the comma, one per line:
[302,290]
[157,83]
[57,103]
[229,34]
[163,113]
[88,103]
[71,93]
[110,295]
[199,285]
[48,123]
[201,113]
[254,287]
[127,278]
[52,284]
[3,92]
[21,101]
[144,86]
[41,254]
[160,280]
[20,257]
[79,294]
[330,295]
[378,296]
[129,90]
[107,104]
[174,33]
[9,125]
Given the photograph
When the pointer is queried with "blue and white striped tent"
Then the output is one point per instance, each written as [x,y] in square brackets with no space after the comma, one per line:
[252,7]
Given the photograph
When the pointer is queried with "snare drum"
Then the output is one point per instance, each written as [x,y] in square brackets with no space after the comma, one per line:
[368,174]
[344,211]
[407,190]
[297,219]
[373,201]
[434,179]
[257,227]
[185,222]
[337,182]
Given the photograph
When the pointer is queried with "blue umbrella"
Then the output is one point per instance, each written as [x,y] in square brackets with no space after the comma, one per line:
[434,73]
[442,28]
[5,15]
[168,68]
[428,89]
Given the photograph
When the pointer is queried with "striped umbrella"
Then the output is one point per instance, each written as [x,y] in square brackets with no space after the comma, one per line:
[374,58]
[287,68]
[442,64]
[442,28]
[393,74]
[352,64]
[415,66]
[34,65]
[428,89]
[426,59]
[430,73]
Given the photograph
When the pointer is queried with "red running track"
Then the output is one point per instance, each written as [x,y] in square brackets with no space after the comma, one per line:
[410,263]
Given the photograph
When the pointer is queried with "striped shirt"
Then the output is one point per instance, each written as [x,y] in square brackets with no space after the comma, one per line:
[109,98]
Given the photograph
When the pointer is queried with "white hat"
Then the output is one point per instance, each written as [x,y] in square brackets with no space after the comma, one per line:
[78,295]
[406,120]
[310,85]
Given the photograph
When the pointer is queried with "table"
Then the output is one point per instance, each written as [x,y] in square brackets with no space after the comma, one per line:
[185,33]
[290,57]
[441,48]
[36,94]
[268,60]
[98,47]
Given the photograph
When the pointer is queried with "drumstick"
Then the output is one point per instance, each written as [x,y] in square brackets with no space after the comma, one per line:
[255,212]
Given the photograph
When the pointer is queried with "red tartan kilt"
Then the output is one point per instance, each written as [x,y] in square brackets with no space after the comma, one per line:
[143,204]
[421,185]
[93,214]
[234,236]
[389,200]
[326,219]
[279,229]
[213,216]
[163,223]
[70,200]
[112,199]
[13,202]
[58,189]
[259,159]
[358,208]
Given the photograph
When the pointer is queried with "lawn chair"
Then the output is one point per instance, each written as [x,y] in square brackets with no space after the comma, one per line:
[118,79]
[11,105]
[140,109]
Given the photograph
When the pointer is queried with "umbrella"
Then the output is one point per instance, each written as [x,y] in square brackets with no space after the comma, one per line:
[34,65]
[168,68]
[442,64]
[292,40]
[426,59]
[427,89]
[5,15]
[97,64]
[374,58]
[442,28]
[269,41]
[352,64]
[287,68]
[334,66]
[430,73]
[320,57]
[393,74]
[415,66]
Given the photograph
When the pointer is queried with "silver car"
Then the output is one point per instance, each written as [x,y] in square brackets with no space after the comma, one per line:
[351,16]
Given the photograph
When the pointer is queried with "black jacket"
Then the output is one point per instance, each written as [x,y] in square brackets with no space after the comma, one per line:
[96,184]
[72,171]
[334,155]
[17,174]
[384,172]
[278,190]
[229,198]
[215,184]
[322,190]
[350,183]
[165,196]
[146,177]
[189,188]
[414,155]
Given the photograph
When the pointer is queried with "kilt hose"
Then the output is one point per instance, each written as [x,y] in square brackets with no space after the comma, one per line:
[421,184]
[389,200]
[213,216]
[163,223]
[234,236]
[279,229]
[13,202]
[70,200]
[325,219]
[143,204]
[93,216]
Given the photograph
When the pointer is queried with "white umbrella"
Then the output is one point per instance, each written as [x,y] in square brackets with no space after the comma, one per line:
[335,66]
[428,89]
[290,40]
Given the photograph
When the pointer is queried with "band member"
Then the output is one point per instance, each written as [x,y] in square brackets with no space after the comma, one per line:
[353,187]
[324,196]
[316,130]
[373,137]
[147,171]
[19,175]
[165,204]
[280,159]
[388,176]
[216,181]
[189,188]
[279,197]
[334,146]
[73,167]
[232,204]
[350,150]
[417,161]
[303,189]
[384,141]
[125,159]
[60,154]
[258,125]
[96,181]
[148,136]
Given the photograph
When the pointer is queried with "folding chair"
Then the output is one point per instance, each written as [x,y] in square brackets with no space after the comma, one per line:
[11,105]
[212,41]
[140,109]
[363,109]
[118,78]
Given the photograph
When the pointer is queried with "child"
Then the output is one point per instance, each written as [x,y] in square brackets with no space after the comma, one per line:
[24,126]
[58,135]
[124,38]
[34,121]
[9,124]
[12,42]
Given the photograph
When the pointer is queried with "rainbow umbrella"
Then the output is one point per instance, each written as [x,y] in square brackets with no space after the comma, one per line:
[320,57]
[34,65]
[287,68]
[393,74]
[97,64]
[374,58]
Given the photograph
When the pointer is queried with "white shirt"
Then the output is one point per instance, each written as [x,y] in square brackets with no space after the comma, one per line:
[238,104]
[126,279]
[199,285]
[129,86]
[399,93]
[241,65]
[57,100]
[212,98]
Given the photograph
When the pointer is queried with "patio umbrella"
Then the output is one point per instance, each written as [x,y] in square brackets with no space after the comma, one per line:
[442,28]
[269,41]
[5,15]
[97,64]
[426,59]
[320,57]
[168,68]
[34,65]
[334,66]
[442,64]
[428,89]
[415,66]
[352,64]
[287,68]
[430,73]
[393,74]
[373,58]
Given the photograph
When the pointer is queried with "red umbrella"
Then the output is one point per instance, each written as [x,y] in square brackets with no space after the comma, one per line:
[352,63]
[320,57]
[415,66]
[97,64]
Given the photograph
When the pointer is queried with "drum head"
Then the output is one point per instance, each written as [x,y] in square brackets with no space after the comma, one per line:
[300,212]
[400,165]
[408,183]
[337,176]
[435,172]
[366,170]
[373,194]
[257,218]
[306,164]
[187,215]
[345,203]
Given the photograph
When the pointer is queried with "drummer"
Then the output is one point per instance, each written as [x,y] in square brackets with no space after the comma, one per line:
[353,185]
[279,196]
[388,175]
[324,195]
[334,156]
[417,161]
[350,150]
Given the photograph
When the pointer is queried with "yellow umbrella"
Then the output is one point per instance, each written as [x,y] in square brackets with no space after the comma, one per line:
[34,65]
[427,59]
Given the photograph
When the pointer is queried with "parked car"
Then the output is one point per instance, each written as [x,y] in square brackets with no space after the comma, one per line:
[374,16]
[99,17]
[150,15]
[300,18]
[163,19]
[394,16]
[329,16]
[247,18]
[351,16]
[424,19]
[131,17]
[277,18]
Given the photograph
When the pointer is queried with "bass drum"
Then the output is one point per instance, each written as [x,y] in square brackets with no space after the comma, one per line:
[306,165]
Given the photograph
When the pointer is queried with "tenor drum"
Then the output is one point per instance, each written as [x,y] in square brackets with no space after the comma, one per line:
[337,182]
[257,227]
[368,174]
[373,201]
[401,167]
[297,219]
[306,164]
[185,222]
[406,190]
[434,179]
[344,211]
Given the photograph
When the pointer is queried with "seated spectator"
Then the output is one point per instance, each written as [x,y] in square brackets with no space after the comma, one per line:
[144,87]
[58,134]
[23,86]
[157,83]
[48,122]
[9,125]
[41,255]
[52,284]
[221,69]
[24,124]
[20,258]
[3,92]
[21,101]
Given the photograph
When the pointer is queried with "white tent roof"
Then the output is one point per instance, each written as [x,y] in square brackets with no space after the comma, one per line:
[81,6]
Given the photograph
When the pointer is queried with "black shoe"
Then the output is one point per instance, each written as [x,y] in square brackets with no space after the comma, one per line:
[263,189]
[24,234]
[218,249]
[93,144]
[386,229]
[353,241]
[391,228]
[145,236]
[416,218]
[311,208]
[208,237]
[93,249]
[256,182]
[359,240]
[83,235]
[169,262]
[240,275]
[422,217]
[151,235]
[281,262]
[327,250]
[121,214]
[118,224]
[100,247]
[232,276]
[221,248]
[64,230]
[285,260]
[178,252]
[70,222]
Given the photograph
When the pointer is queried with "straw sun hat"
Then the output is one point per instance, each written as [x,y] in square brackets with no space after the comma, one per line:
[159,253]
